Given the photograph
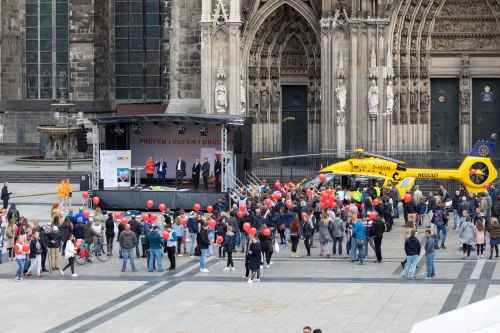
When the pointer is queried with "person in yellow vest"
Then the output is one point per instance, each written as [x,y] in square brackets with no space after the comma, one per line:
[61,193]
[69,194]
[377,189]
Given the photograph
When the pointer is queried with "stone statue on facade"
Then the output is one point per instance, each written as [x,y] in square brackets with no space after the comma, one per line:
[464,96]
[220,97]
[275,96]
[264,97]
[341,91]
[424,97]
[63,77]
[243,98]
[253,91]
[404,95]
[390,98]
[414,96]
[373,99]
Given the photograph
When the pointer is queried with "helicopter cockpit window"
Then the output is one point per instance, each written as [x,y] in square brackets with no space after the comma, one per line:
[344,182]
[352,184]
[332,181]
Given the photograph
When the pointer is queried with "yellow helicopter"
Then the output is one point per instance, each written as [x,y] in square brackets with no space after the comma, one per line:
[475,171]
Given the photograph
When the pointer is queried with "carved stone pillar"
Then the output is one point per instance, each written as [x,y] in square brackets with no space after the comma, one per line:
[465,102]
[206,8]
[207,70]
[326,87]
[233,67]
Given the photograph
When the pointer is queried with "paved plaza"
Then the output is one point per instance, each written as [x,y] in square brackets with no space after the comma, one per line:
[327,293]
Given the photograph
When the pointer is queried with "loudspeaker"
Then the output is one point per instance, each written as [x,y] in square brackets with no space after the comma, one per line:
[81,140]
[101,184]
[238,141]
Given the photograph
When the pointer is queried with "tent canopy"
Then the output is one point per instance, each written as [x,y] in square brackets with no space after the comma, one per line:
[202,119]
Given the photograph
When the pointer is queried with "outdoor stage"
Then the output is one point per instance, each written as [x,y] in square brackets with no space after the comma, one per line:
[132,198]
[122,144]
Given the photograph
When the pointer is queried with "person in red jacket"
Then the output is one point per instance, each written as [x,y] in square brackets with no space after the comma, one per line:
[150,169]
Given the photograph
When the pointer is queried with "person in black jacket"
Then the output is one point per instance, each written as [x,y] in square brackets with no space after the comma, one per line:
[388,213]
[266,245]
[217,174]
[110,233]
[36,249]
[135,227]
[54,244]
[5,195]
[412,250]
[180,172]
[196,173]
[203,244]
[377,232]
[45,241]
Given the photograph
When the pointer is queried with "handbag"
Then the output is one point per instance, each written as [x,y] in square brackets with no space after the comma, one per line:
[360,241]
[276,247]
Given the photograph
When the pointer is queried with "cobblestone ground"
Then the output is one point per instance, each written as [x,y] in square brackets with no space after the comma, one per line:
[327,293]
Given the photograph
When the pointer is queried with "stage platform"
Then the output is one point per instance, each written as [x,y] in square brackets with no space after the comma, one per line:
[132,198]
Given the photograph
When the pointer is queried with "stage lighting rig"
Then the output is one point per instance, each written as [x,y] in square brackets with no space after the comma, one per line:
[204,131]
[181,130]
[137,127]
[119,131]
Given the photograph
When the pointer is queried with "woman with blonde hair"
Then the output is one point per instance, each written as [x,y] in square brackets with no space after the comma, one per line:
[324,234]
[10,235]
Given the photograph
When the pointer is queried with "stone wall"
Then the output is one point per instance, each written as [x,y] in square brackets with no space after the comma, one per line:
[12,33]
[185,64]
[103,55]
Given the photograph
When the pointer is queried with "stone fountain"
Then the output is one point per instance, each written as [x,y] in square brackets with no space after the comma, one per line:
[54,138]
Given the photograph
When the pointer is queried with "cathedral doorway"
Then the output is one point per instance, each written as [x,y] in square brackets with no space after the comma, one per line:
[444,115]
[486,110]
[294,119]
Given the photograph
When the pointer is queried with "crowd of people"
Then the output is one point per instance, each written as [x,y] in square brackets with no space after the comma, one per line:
[258,225]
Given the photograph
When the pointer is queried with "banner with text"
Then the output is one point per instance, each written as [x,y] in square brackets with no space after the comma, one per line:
[115,168]
[164,140]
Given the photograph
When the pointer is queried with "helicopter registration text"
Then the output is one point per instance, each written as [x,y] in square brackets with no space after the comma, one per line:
[427,175]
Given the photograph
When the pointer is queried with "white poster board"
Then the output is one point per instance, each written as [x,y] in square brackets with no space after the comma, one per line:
[115,168]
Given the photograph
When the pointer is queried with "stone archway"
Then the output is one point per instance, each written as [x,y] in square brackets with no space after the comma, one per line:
[284,49]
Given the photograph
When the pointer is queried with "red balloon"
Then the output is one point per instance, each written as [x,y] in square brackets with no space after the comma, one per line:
[334,204]
[26,247]
[322,205]
[323,193]
[304,215]
[287,189]
[347,208]
[246,226]
[277,196]
[162,207]
[185,222]
[252,231]
[165,235]
[243,208]
[266,232]
[149,204]
[327,202]
[376,202]
[212,223]
[123,220]
[372,215]
[277,185]
[329,191]
[289,205]
[85,195]
[486,185]
[96,200]
[145,217]
[86,214]
[268,202]
[407,197]
[332,197]
[196,207]
[210,209]
[239,214]
[472,171]
[78,245]
[308,192]
[154,217]
[117,215]
[220,239]
[322,177]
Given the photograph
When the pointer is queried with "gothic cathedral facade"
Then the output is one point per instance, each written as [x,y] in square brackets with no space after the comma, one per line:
[315,75]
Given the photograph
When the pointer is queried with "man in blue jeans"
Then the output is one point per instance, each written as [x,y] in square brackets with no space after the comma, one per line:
[359,237]
[128,241]
[193,225]
[154,240]
[429,255]
[203,244]
[412,249]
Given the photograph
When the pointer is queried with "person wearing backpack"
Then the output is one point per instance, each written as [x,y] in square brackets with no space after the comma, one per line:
[13,213]
[338,229]
[324,227]
[440,220]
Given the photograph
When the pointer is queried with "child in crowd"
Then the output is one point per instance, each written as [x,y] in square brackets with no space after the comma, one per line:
[480,239]
[229,245]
